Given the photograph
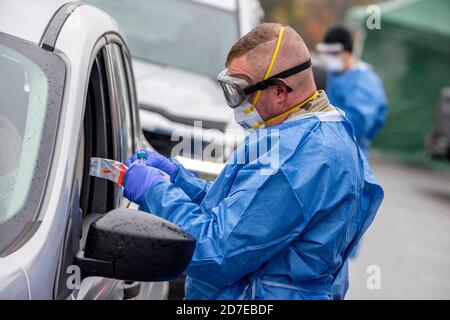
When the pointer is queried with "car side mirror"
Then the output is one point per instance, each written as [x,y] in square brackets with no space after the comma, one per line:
[128,244]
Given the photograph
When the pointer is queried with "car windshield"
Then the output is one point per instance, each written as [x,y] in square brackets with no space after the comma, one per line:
[30,86]
[178,33]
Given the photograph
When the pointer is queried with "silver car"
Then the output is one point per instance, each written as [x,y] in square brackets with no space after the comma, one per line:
[67,94]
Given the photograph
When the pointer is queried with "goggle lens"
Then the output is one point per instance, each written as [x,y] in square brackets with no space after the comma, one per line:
[233,94]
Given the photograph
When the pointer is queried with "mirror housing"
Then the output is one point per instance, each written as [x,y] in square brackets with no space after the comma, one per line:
[128,244]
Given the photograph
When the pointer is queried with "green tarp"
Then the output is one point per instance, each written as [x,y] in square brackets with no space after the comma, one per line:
[411,53]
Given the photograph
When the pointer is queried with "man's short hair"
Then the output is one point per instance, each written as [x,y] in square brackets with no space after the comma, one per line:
[256,37]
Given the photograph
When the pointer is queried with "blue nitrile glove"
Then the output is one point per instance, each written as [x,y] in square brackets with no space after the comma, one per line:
[156,160]
[138,179]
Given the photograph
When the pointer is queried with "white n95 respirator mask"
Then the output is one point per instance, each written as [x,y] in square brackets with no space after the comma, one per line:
[247,116]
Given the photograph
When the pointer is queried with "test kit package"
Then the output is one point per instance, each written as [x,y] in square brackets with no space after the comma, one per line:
[108,169]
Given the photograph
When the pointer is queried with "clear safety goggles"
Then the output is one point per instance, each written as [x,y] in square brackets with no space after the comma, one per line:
[233,88]
[237,90]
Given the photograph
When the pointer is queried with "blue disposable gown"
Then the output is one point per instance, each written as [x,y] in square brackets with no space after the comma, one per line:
[285,235]
[360,94]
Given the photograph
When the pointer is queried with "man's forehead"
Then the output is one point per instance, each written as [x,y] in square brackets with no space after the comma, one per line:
[239,68]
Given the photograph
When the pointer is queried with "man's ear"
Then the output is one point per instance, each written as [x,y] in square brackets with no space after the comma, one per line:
[281,91]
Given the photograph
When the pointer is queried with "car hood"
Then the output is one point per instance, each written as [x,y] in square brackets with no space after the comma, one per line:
[180,94]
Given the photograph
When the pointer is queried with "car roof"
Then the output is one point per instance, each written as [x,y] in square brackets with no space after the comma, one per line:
[230,5]
[27,19]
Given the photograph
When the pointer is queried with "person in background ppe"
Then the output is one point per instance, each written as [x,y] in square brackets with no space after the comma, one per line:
[353,86]
[293,200]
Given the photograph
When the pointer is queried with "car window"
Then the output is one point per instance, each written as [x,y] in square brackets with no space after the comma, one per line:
[100,136]
[31,82]
[23,98]
[122,100]
[183,34]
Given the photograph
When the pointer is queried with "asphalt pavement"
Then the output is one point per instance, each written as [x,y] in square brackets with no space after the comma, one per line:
[406,252]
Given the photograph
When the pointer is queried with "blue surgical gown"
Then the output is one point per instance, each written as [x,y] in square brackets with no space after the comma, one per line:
[360,94]
[281,219]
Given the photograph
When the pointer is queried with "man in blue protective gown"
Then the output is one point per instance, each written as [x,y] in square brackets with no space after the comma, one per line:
[281,219]
[353,86]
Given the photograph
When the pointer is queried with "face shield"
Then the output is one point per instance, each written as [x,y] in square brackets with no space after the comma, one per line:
[332,55]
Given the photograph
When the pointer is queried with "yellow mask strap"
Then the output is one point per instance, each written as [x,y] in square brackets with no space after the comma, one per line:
[287,112]
[269,70]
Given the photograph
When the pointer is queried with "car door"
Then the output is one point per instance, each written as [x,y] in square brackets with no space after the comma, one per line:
[110,130]
[31,96]
[90,196]
[129,138]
